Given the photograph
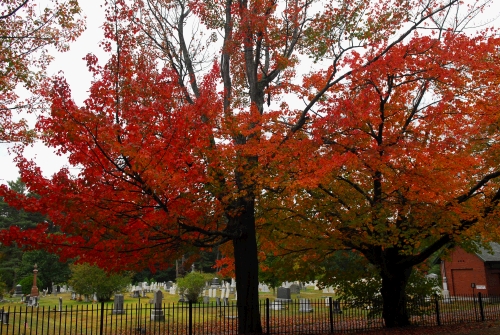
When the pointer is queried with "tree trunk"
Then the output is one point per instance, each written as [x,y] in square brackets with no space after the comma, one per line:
[394,281]
[247,271]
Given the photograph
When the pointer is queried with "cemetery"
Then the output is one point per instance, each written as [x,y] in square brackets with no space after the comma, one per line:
[299,308]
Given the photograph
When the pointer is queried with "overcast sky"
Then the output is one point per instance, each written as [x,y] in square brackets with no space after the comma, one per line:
[73,66]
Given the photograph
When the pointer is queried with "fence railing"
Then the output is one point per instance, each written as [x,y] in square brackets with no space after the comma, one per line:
[290,317]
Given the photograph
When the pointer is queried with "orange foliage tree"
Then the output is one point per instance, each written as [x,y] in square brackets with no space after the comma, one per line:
[187,130]
[26,30]
[401,161]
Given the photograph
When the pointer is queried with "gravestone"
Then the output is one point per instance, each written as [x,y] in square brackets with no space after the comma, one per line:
[215,282]
[157,311]
[73,296]
[60,304]
[54,290]
[276,306]
[336,305]
[33,302]
[118,304]
[284,294]
[206,300]
[305,306]
[169,285]
[5,318]
[18,292]
[136,294]
[294,289]
[217,301]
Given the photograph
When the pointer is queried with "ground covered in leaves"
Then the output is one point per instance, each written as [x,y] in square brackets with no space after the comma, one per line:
[472,328]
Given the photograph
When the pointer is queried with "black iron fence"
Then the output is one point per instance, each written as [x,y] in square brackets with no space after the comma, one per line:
[301,316]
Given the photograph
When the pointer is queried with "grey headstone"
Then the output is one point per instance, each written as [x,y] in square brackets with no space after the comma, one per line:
[294,289]
[5,318]
[18,292]
[118,304]
[276,306]
[60,304]
[284,294]
[157,311]
[215,282]
[305,305]
[206,300]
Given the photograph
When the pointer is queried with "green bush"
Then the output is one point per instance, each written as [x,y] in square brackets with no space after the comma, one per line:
[88,279]
[27,283]
[191,285]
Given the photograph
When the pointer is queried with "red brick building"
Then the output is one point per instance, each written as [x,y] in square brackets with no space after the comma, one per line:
[464,269]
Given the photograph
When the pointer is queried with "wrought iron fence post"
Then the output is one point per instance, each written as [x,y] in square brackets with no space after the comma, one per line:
[330,307]
[101,330]
[481,310]
[267,317]
[438,317]
[190,317]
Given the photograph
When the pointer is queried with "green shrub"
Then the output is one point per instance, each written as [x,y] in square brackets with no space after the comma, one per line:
[191,285]
[88,279]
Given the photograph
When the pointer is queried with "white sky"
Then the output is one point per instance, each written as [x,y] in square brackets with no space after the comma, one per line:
[75,71]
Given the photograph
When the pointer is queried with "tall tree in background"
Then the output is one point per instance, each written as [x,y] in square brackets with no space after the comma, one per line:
[166,160]
[26,30]
[16,263]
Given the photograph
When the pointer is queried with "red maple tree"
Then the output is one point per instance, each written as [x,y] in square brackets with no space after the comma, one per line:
[173,149]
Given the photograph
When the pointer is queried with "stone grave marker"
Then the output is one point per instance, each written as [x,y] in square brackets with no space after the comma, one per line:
[157,311]
[18,292]
[276,306]
[305,306]
[284,294]
[294,289]
[215,282]
[118,304]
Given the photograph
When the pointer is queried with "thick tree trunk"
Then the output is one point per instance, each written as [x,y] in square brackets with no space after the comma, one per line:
[394,281]
[247,271]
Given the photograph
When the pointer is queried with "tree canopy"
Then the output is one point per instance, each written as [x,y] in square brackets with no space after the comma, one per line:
[313,126]
[26,30]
